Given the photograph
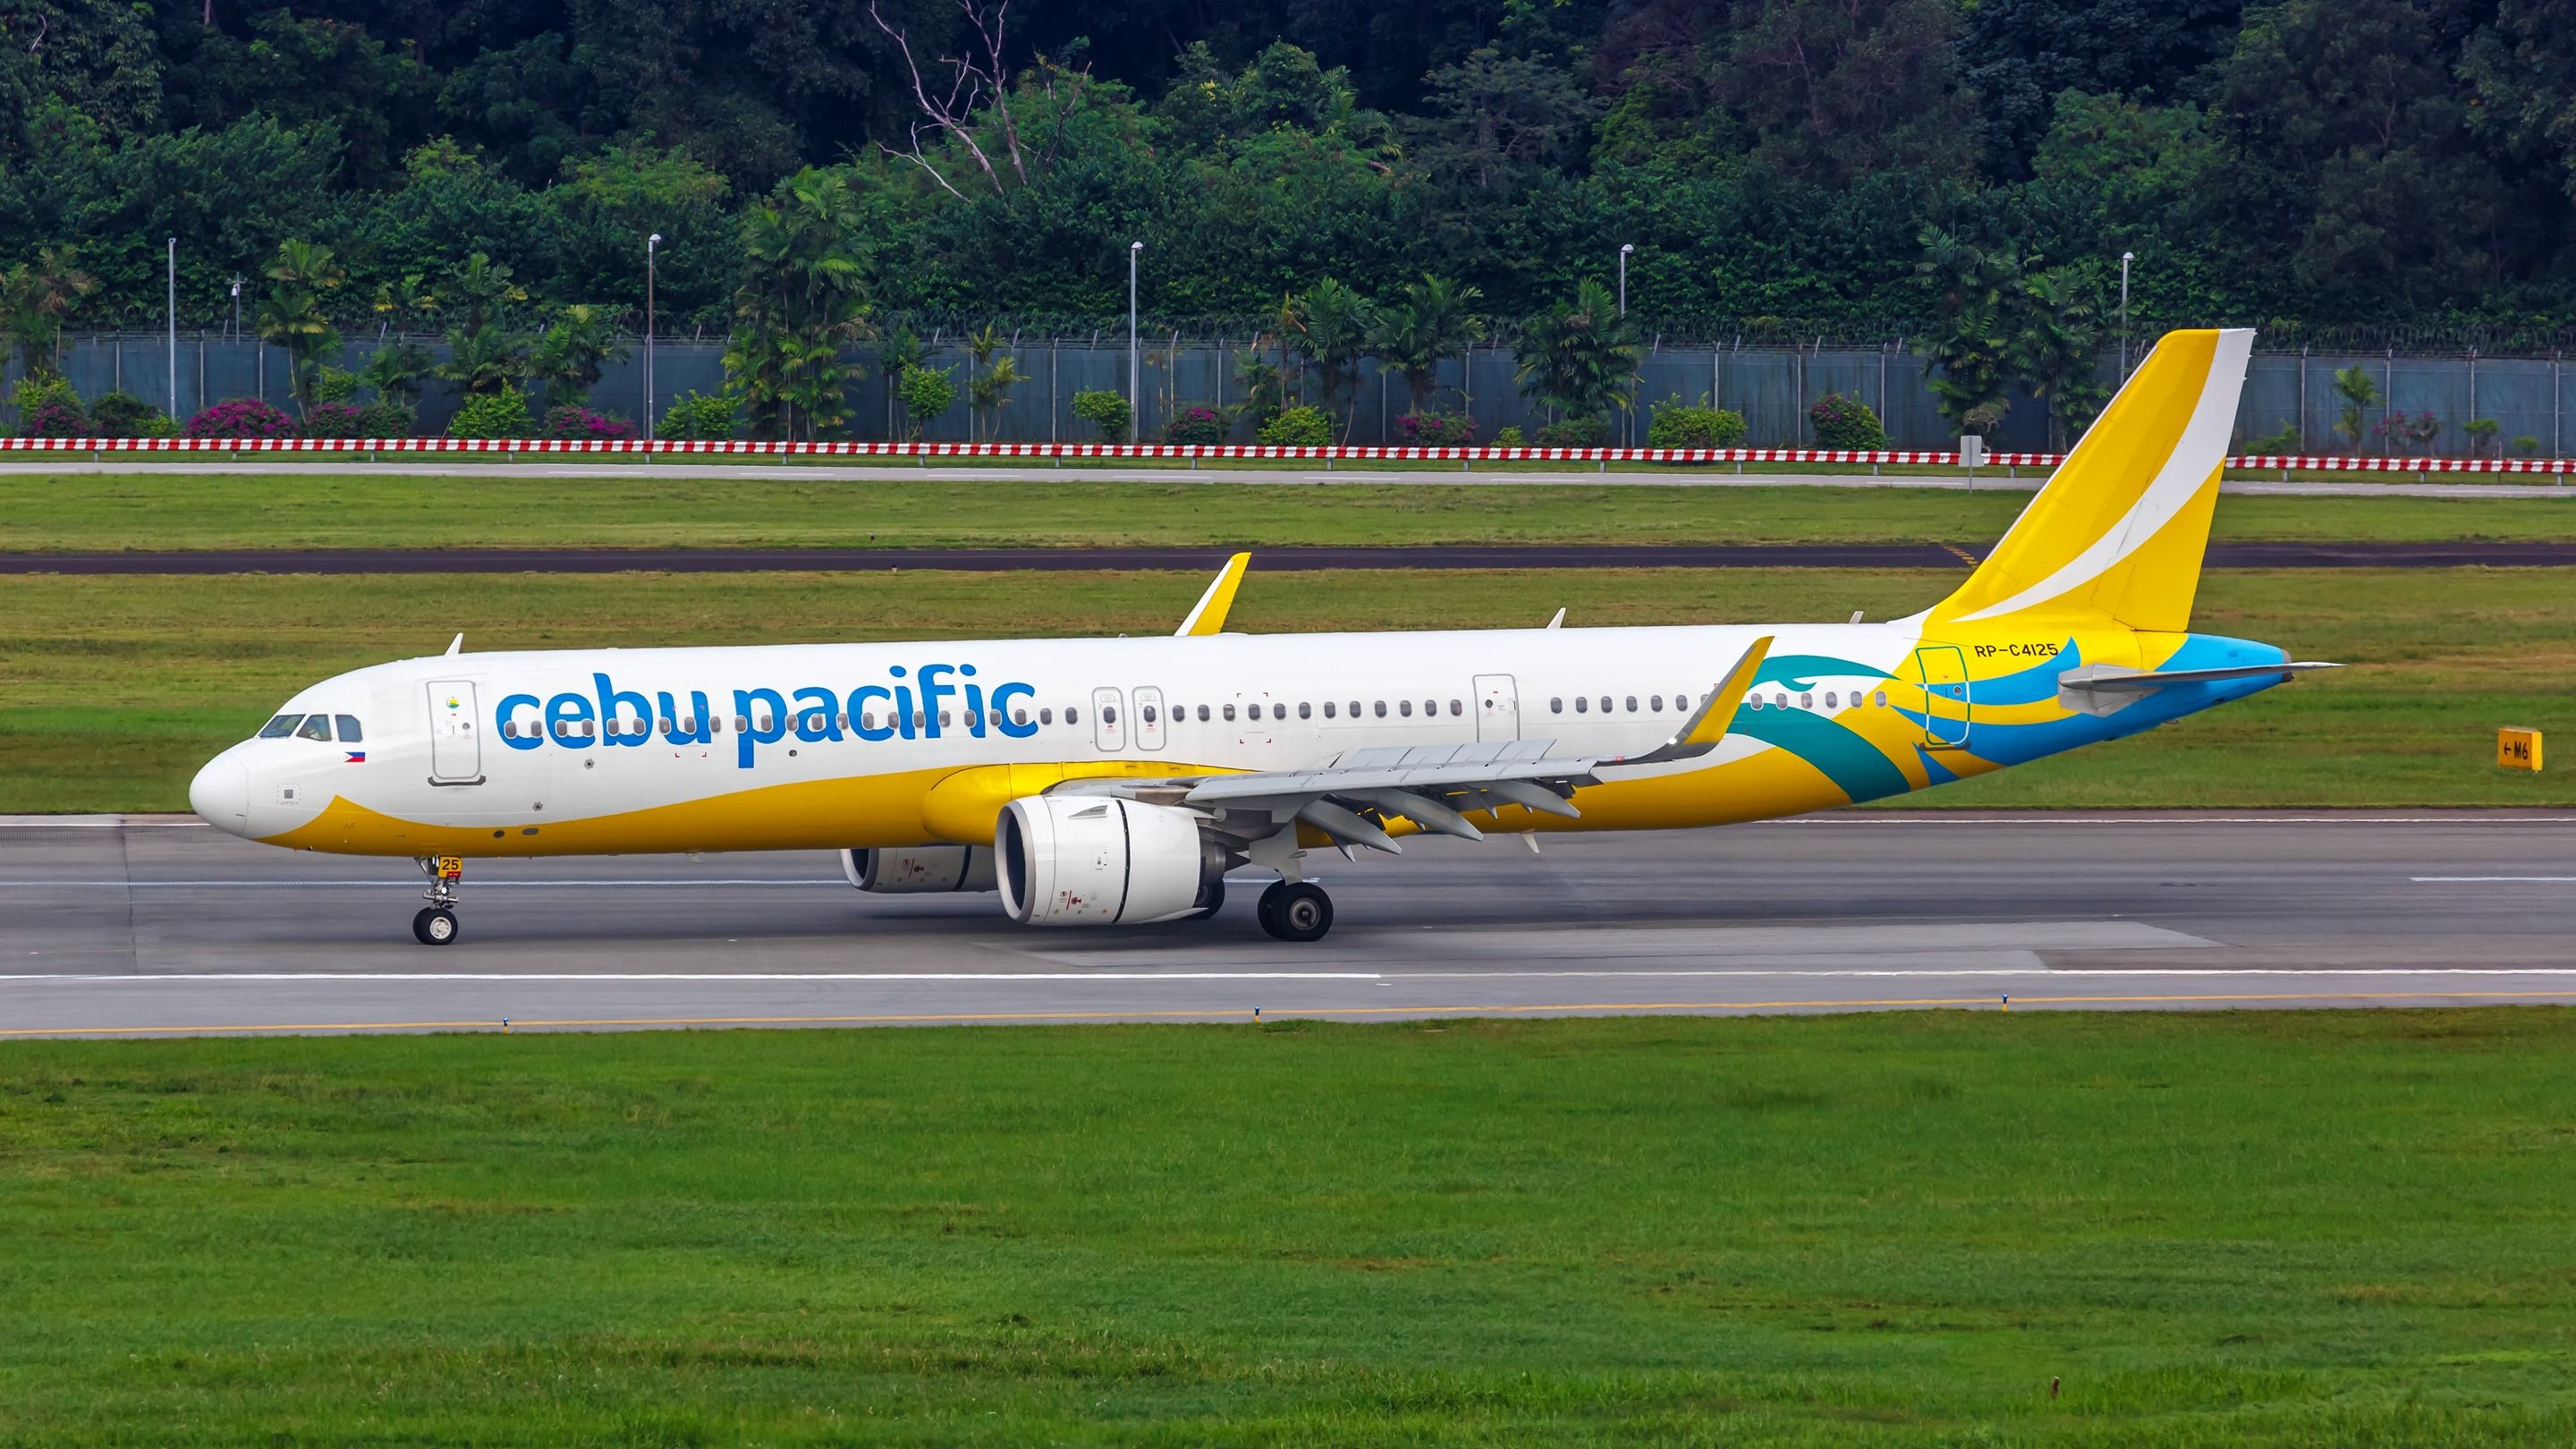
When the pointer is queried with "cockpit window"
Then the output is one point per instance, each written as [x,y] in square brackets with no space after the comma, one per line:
[349,731]
[280,727]
[316,727]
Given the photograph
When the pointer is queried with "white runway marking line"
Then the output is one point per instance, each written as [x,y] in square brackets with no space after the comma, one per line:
[1384,977]
[2493,879]
[121,885]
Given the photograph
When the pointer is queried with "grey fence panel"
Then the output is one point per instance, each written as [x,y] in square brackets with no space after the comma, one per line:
[1771,386]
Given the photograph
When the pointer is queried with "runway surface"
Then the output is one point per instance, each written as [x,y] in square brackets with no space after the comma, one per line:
[2359,486]
[154,926]
[2297,555]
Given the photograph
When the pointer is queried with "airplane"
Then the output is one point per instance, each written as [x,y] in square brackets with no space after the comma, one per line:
[1100,782]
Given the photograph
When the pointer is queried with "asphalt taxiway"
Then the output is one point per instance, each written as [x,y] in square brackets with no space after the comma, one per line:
[154,926]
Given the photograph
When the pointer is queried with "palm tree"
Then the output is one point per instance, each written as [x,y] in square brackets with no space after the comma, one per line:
[292,316]
[571,354]
[1968,359]
[803,297]
[1330,324]
[395,370]
[2056,348]
[35,298]
[486,360]
[483,287]
[1431,325]
[990,380]
[1581,359]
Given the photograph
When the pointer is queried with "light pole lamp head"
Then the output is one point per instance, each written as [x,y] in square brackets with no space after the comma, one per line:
[652,241]
[2127,257]
[1626,247]
[1134,247]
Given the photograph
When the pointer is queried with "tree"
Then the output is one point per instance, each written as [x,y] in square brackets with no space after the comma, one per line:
[570,354]
[802,299]
[1330,325]
[483,288]
[1581,359]
[2056,347]
[989,381]
[968,114]
[295,313]
[1836,89]
[1968,359]
[35,299]
[486,361]
[1431,325]
[395,370]
[2360,393]
[1492,114]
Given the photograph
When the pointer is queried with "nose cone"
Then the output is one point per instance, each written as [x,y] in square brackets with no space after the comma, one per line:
[221,794]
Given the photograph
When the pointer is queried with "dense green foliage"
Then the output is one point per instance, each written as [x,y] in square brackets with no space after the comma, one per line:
[1776,163]
[2264,1229]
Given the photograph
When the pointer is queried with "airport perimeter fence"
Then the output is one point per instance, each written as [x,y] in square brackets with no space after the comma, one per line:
[2290,400]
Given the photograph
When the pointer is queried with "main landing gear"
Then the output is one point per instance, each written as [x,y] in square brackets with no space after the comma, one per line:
[435,924]
[1296,911]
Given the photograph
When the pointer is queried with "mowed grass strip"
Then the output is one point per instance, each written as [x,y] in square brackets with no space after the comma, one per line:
[2242,1229]
[298,510]
[113,690]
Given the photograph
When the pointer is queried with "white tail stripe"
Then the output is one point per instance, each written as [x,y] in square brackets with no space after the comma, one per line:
[2195,457]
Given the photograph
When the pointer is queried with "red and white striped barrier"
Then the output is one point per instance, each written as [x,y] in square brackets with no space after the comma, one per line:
[1216,452]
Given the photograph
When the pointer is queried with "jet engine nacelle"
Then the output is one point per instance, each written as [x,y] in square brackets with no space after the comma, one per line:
[1092,860]
[920,870]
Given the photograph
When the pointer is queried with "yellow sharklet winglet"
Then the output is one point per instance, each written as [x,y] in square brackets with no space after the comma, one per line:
[1209,616]
[1716,715]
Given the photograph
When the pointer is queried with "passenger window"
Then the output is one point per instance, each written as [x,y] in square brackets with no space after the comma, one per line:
[1829,699]
[1655,703]
[1556,705]
[1279,711]
[280,727]
[1605,704]
[1305,710]
[349,733]
[1355,709]
[1882,699]
[1456,707]
[316,727]
[509,729]
[1149,714]
[1632,704]
[1582,704]
[920,722]
[1072,715]
[1381,709]
[1229,711]
[1046,715]
[1328,709]
[1404,707]
[1203,714]
[1431,708]
[1019,716]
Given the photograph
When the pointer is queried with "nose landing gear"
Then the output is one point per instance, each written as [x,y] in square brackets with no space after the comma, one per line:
[435,923]
[1296,911]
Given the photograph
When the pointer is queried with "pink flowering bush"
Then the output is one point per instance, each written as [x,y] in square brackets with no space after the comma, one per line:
[573,421]
[241,417]
[1198,424]
[1436,430]
[335,420]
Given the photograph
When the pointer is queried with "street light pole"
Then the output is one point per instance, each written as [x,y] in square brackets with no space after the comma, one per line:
[174,327]
[2125,259]
[650,243]
[1135,374]
[1628,420]
[237,281]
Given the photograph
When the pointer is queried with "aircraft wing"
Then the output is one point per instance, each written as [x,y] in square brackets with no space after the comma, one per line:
[1351,796]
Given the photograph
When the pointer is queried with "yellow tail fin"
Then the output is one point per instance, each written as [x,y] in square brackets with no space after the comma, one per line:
[2121,529]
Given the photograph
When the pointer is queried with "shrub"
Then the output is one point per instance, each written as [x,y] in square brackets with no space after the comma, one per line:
[334,420]
[695,415]
[1105,410]
[1574,433]
[502,414]
[573,421]
[926,392]
[333,385]
[1841,422]
[2525,444]
[1436,430]
[1196,424]
[1298,427]
[49,408]
[2277,445]
[123,415]
[386,417]
[1509,437]
[2482,434]
[1677,424]
[241,417]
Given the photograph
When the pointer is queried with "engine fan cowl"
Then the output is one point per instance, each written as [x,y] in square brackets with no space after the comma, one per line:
[1091,860]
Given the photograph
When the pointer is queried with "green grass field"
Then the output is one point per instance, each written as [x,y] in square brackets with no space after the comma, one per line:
[114,689]
[2254,1229]
[323,510]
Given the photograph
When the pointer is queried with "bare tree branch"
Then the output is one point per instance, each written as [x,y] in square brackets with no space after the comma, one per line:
[953,114]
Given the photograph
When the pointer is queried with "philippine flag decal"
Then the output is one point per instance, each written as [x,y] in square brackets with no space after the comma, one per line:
[356,757]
